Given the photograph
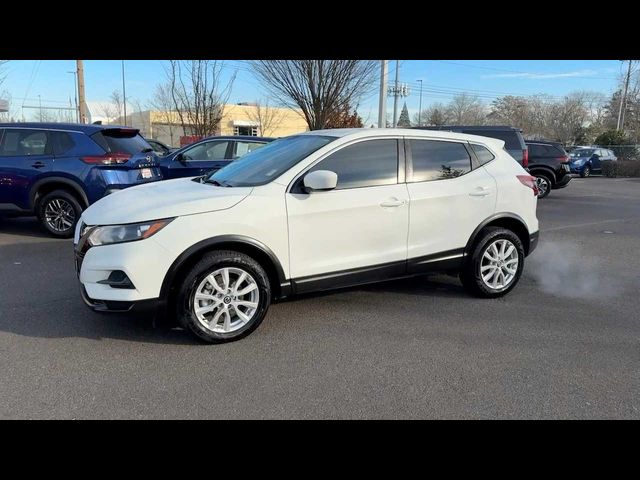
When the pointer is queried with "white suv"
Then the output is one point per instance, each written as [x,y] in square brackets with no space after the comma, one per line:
[315,211]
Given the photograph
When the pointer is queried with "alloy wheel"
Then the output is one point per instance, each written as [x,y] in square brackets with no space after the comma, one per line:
[59,215]
[226,300]
[499,264]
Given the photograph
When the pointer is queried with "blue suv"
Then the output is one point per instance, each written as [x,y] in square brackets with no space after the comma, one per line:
[56,170]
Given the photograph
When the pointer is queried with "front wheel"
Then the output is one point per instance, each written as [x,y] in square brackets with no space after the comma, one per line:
[224,297]
[586,171]
[495,264]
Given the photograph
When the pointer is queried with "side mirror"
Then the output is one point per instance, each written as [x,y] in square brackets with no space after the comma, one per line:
[320,181]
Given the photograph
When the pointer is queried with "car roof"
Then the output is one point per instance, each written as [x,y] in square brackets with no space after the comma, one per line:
[237,137]
[77,127]
[471,127]
[409,132]
[543,142]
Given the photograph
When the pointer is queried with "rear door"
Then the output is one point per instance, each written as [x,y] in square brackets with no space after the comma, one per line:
[242,147]
[25,156]
[449,198]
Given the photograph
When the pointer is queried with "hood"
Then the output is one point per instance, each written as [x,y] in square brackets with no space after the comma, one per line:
[165,199]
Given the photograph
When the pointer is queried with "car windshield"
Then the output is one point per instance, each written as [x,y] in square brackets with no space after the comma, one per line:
[582,152]
[263,165]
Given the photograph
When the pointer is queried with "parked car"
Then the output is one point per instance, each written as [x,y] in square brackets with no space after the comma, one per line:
[56,170]
[315,211]
[513,140]
[549,163]
[159,148]
[208,155]
[585,160]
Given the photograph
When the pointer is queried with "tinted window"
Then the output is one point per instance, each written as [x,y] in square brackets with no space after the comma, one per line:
[61,141]
[121,141]
[483,154]
[364,164]
[207,151]
[23,142]
[243,148]
[436,160]
[269,162]
[582,152]
[510,137]
[537,150]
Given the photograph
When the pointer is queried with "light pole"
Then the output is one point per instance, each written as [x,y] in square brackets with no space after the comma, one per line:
[395,98]
[382,104]
[420,107]
[124,96]
[40,103]
[75,90]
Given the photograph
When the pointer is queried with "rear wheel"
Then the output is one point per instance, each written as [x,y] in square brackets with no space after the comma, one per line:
[495,264]
[224,297]
[59,212]
[543,182]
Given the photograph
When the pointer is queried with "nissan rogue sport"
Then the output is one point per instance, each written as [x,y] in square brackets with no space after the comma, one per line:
[315,211]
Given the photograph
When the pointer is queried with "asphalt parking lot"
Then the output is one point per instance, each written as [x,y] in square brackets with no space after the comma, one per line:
[564,344]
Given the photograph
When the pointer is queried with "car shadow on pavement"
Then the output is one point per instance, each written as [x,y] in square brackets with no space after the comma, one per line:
[26,226]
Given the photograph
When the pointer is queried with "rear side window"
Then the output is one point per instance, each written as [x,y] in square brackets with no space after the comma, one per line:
[483,154]
[365,164]
[510,137]
[23,142]
[437,160]
[246,147]
[61,142]
[121,140]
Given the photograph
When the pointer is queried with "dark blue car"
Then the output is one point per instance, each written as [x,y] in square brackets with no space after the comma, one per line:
[208,155]
[585,160]
[56,170]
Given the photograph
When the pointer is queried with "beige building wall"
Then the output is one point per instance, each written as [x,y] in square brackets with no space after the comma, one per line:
[166,127]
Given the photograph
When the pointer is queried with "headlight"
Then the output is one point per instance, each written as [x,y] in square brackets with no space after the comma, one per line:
[579,161]
[126,233]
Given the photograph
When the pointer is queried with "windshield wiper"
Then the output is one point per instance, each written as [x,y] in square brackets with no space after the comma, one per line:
[216,182]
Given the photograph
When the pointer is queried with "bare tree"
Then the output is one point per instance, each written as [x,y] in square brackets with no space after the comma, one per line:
[466,109]
[267,117]
[162,104]
[319,88]
[197,94]
[2,75]
[116,102]
[143,122]
[436,114]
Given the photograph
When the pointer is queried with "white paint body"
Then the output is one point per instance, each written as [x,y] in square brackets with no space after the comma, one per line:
[310,234]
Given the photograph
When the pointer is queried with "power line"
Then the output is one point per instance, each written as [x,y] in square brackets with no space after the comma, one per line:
[497,69]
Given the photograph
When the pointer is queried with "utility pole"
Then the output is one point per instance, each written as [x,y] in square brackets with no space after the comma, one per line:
[623,100]
[82,104]
[382,106]
[420,107]
[124,96]
[40,103]
[395,97]
[75,89]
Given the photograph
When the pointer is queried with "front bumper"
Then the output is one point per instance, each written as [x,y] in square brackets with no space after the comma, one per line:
[149,306]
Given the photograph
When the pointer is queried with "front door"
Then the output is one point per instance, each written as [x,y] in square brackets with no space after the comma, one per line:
[202,158]
[356,232]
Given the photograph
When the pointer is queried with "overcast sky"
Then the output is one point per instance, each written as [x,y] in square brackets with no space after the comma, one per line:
[442,79]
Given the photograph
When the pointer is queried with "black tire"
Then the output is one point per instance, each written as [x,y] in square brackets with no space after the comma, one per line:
[59,200]
[586,171]
[544,184]
[470,275]
[210,262]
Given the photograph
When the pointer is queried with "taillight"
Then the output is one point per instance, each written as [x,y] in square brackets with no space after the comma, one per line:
[107,159]
[563,159]
[525,157]
[529,181]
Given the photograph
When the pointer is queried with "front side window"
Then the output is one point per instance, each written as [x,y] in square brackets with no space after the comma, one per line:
[23,142]
[207,151]
[438,160]
[364,164]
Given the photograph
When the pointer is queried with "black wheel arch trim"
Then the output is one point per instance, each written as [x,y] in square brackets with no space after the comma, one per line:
[206,245]
[67,181]
[492,218]
[544,169]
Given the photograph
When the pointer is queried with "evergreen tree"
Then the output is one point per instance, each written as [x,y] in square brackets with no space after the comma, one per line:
[403,121]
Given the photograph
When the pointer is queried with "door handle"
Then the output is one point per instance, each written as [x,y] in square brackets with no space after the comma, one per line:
[480,192]
[38,165]
[392,202]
